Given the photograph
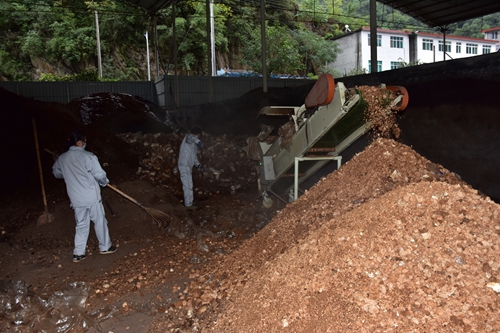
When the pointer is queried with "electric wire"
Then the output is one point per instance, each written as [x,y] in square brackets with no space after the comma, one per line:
[302,16]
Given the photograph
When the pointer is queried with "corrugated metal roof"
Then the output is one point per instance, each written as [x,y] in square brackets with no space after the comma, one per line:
[441,13]
[435,13]
[152,5]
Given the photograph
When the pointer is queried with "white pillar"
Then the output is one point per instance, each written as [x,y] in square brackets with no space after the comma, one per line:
[99,66]
[147,55]
[212,37]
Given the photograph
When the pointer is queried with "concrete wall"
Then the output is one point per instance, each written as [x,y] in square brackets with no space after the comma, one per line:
[350,57]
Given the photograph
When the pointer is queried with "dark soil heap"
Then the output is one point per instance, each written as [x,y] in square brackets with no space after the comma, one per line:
[227,168]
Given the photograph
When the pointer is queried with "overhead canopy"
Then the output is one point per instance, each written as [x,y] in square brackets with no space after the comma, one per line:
[439,13]
[152,5]
[435,13]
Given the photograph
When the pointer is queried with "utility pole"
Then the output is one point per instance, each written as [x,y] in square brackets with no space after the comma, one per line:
[147,55]
[209,53]
[99,66]
[373,35]
[443,30]
[174,49]
[157,65]
[212,37]
[263,43]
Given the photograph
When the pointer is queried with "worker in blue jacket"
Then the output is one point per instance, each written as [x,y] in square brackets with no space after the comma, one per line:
[188,157]
[83,175]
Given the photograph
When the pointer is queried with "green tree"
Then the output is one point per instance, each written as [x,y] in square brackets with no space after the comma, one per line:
[319,11]
[15,21]
[122,41]
[32,44]
[191,40]
[282,54]
[316,51]
[11,68]
[352,15]
[62,34]
[70,44]
[280,13]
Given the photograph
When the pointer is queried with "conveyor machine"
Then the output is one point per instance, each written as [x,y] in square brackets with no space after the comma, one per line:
[331,119]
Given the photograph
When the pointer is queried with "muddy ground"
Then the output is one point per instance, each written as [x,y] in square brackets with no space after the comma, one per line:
[392,241]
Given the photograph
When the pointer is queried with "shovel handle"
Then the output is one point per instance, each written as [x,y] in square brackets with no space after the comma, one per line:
[49,151]
[40,166]
[123,194]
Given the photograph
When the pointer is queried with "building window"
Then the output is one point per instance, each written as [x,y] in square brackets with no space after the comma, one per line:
[448,46]
[459,48]
[486,49]
[396,42]
[427,44]
[379,40]
[471,48]
[379,66]
[494,35]
[395,64]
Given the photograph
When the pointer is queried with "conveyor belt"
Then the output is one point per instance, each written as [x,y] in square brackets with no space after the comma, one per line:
[329,122]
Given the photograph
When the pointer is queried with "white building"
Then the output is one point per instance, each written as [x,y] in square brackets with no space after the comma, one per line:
[492,34]
[395,47]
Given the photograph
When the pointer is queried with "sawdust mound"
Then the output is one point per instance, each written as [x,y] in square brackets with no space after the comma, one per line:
[390,270]
[390,242]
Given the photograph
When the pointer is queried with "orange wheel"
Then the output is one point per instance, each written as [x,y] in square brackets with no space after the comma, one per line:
[399,90]
[322,92]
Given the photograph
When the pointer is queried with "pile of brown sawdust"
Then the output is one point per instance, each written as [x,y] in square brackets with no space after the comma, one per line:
[389,242]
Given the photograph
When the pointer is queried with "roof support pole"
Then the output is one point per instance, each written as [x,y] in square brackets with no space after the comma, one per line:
[99,64]
[155,31]
[443,30]
[174,49]
[212,38]
[209,53]
[263,44]
[359,58]
[373,35]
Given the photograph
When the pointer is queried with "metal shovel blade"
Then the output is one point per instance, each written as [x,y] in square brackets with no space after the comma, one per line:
[44,219]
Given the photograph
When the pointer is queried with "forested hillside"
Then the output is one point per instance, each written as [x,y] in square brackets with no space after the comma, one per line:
[57,40]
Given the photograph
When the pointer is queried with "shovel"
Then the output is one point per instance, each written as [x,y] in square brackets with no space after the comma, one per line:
[45,217]
[159,217]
